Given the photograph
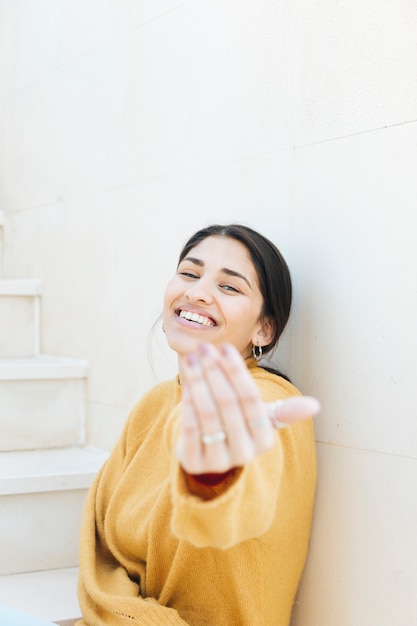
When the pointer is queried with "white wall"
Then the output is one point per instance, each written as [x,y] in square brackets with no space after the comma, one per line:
[126,125]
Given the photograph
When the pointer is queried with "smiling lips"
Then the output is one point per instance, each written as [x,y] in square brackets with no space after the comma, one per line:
[195,317]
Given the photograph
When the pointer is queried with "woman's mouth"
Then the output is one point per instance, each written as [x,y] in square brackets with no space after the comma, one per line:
[196,317]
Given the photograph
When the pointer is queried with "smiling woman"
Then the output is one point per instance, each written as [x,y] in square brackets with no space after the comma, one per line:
[202,513]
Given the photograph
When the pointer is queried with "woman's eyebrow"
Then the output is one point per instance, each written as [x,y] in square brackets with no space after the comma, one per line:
[233,273]
[225,270]
[193,260]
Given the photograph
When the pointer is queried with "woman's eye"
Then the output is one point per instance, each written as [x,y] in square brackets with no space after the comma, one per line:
[230,288]
[188,274]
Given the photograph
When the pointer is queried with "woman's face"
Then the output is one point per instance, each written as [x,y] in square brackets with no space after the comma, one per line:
[214,297]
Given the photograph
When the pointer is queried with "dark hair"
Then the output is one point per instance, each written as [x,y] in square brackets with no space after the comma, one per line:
[271,268]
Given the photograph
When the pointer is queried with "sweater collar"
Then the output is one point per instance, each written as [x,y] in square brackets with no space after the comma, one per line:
[250,361]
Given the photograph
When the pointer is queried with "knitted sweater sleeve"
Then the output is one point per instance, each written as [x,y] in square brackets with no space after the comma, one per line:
[107,595]
[243,506]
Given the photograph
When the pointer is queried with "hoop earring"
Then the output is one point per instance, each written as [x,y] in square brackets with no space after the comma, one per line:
[257,354]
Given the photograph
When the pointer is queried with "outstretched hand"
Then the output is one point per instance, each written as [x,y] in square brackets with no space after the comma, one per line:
[225,421]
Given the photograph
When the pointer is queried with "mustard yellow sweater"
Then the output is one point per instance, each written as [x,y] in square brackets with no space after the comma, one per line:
[153,553]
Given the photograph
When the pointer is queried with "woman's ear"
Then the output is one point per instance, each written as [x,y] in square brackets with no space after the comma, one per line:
[264,333]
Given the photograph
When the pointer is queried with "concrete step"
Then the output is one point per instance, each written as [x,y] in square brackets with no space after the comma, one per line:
[42,402]
[19,317]
[49,595]
[42,495]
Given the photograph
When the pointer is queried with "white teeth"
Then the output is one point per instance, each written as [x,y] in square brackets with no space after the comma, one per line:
[195,317]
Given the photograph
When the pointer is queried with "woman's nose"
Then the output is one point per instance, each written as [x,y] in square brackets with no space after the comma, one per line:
[199,291]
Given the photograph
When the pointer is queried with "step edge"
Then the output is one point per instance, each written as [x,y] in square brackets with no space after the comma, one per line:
[42,367]
[38,471]
[49,594]
[42,484]
[20,287]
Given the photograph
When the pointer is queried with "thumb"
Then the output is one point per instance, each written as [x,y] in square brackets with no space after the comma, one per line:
[284,412]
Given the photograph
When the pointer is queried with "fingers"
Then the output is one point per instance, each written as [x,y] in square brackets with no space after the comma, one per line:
[229,406]
[201,410]
[225,421]
[189,444]
[251,407]
[221,403]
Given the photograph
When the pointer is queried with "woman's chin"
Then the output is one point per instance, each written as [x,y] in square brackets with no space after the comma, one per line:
[184,345]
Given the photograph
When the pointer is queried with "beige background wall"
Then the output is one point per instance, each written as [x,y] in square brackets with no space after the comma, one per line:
[126,125]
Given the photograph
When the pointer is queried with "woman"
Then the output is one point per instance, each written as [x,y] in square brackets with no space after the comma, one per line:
[202,514]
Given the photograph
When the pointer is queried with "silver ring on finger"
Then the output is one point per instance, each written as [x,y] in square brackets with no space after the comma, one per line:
[213,438]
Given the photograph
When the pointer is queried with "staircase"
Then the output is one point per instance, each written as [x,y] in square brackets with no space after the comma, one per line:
[45,466]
